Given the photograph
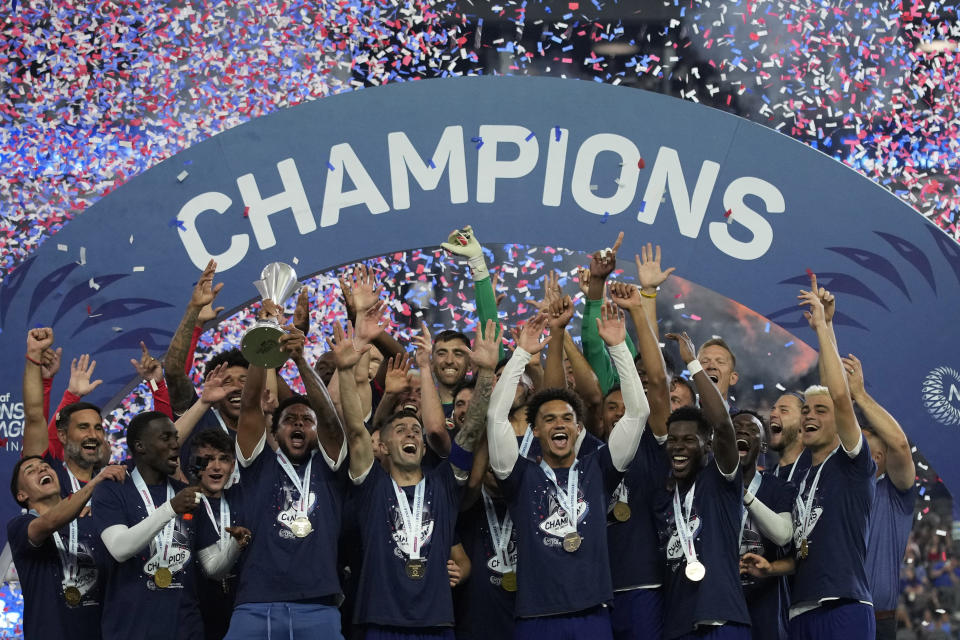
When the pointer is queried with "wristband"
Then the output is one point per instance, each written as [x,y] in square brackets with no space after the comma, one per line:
[33,361]
[694,367]
[648,295]
[460,457]
[478,266]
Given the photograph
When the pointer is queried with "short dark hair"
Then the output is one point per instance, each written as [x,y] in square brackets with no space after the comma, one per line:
[751,412]
[556,393]
[231,358]
[683,382]
[215,439]
[615,387]
[466,383]
[63,416]
[139,425]
[397,415]
[692,414]
[15,478]
[289,402]
[719,342]
[451,334]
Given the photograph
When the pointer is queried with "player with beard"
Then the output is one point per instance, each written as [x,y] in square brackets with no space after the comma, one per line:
[559,505]
[785,418]
[891,516]
[79,426]
[55,552]
[700,516]
[830,597]
[766,526]
[153,548]
[293,499]
[212,462]
[407,515]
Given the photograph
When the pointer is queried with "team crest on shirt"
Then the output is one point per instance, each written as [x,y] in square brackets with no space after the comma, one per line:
[495,564]
[557,524]
[178,557]
[288,513]
[674,548]
[402,540]
[86,569]
[798,532]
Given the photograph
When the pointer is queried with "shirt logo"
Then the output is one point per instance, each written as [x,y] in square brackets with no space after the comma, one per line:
[674,548]
[289,511]
[557,524]
[941,395]
[178,557]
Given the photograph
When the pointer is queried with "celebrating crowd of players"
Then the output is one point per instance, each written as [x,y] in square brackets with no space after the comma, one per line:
[465,490]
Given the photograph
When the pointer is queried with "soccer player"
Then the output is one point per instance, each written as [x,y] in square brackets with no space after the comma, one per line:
[720,365]
[700,516]
[785,418]
[559,505]
[55,552]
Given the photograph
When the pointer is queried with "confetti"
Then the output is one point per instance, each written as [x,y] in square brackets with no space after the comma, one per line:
[93,285]
[606,216]
[62,247]
[136,269]
[182,176]
[641,164]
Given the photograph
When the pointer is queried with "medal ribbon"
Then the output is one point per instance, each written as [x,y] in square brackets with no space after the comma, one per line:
[164,538]
[499,534]
[805,511]
[681,518]
[526,442]
[74,483]
[235,476]
[68,555]
[224,518]
[412,520]
[302,486]
[754,487]
[568,499]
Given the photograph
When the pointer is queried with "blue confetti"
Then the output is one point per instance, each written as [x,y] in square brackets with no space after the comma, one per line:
[331,167]
[606,216]
[529,137]
[789,344]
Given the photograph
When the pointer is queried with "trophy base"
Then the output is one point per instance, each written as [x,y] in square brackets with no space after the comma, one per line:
[261,347]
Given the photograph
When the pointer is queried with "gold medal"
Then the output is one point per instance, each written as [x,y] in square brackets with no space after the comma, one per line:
[509,581]
[571,542]
[804,550]
[621,511]
[301,527]
[163,578]
[72,596]
[416,568]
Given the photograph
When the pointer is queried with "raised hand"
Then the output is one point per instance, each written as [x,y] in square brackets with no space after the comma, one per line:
[829,302]
[205,292]
[625,296]
[301,313]
[186,500]
[649,272]
[50,362]
[343,346]
[687,351]
[854,369]
[816,315]
[362,287]
[462,242]
[292,342]
[148,367]
[214,387]
[494,282]
[529,337]
[39,340]
[207,314]
[486,347]
[268,402]
[371,322]
[603,262]
[560,312]
[551,292]
[81,370]
[583,279]
[397,379]
[424,345]
[269,310]
[611,325]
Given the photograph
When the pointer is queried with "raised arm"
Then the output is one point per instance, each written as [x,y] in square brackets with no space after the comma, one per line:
[214,390]
[360,291]
[560,312]
[831,367]
[251,425]
[625,436]
[714,408]
[347,349]
[650,277]
[150,371]
[182,392]
[484,356]
[900,467]
[585,382]
[66,510]
[431,408]
[501,440]
[35,436]
[329,429]
[628,297]
[464,243]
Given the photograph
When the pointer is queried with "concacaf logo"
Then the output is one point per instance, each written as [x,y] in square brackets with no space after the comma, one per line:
[941,395]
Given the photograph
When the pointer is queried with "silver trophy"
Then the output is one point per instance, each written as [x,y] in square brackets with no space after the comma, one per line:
[261,343]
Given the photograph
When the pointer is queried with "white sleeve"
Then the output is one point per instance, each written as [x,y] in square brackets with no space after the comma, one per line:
[501,440]
[625,436]
[333,464]
[776,526]
[257,450]
[217,562]
[124,542]
[853,453]
[363,476]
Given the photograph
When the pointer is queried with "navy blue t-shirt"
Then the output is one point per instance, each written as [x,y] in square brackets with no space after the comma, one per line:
[484,609]
[45,611]
[217,596]
[133,603]
[635,556]
[386,596]
[589,445]
[768,599]
[715,521]
[278,566]
[60,468]
[834,567]
[552,581]
[792,473]
[891,519]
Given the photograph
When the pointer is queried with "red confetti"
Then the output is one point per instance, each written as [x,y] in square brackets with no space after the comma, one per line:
[641,164]
[727,214]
